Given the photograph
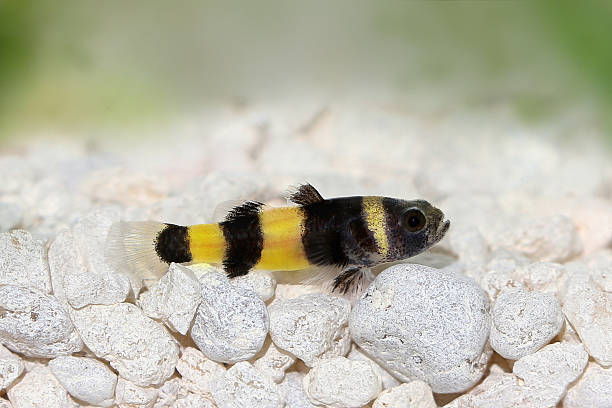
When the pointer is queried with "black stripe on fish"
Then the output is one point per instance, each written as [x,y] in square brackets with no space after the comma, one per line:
[172,244]
[243,238]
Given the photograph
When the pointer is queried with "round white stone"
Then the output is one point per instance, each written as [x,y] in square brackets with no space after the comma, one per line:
[312,327]
[244,386]
[231,323]
[39,388]
[342,383]
[420,322]
[523,322]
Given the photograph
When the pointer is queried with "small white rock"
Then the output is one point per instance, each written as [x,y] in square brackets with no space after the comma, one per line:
[342,383]
[169,392]
[415,394]
[552,239]
[140,349]
[86,379]
[23,261]
[523,322]
[197,371]
[591,390]
[274,362]
[193,401]
[292,387]
[11,367]
[130,395]
[388,380]
[35,324]
[174,299]
[588,310]
[420,322]
[244,386]
[545,277]
[311,327]
[39,388]
[260,282]
[231,323]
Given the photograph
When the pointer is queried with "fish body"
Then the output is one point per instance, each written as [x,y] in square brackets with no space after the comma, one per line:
[345,234]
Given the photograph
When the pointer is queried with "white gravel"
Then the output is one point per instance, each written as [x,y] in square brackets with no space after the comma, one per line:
[245,386]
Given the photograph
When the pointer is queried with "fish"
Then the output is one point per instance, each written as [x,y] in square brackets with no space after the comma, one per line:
[344,236]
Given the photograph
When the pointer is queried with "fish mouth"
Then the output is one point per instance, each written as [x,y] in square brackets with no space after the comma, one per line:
[441,231]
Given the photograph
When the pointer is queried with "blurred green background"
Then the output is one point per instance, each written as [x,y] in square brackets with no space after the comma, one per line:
[74,65]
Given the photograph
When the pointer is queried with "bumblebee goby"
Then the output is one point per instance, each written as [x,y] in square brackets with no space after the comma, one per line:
[344,236]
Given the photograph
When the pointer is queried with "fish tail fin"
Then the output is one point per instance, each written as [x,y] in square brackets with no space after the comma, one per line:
[131,249]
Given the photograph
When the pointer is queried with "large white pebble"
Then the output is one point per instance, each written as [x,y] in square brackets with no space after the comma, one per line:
[35,324]
[552,239]
[78,265]
[232,323]
[23,261]
[311,327]
[197,371]
[260,282]
[588,310]
[130,395]
[39,388]
[415,394]
[140,349]
[86,379]
[292,388]
[342,383]
[174,299]
[420,322]
[523,322]
[593,389]
[11,367]
[244,386]
[274,362]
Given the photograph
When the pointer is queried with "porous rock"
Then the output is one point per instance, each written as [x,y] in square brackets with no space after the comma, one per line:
[130,395]
[588,310]
[140,349]
[415,394]
[39,388]
[174,299]
[231,323]
[35,324]
[342,383]
[274,362]
[312,327]
[592,389]
[245,386]
[292,388]
[11,367]
[193,401]
[523,322]
[547,277]
[420,322]
[260,282]
[86,379]
[23,261]
[388,380]
[197,371]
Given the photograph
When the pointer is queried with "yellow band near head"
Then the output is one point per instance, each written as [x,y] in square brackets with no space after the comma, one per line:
[374,213]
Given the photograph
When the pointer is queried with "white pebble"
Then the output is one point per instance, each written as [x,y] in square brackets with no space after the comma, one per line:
[552,239]
[193,401]
[292,387]
[588,310]
[244,386]
[342,383]
[260,282]
[593,389]
[39,388]
[600,269]
[420,322]
[197,371]
[130,395]
[311,327]
[79,267]
[86,379]
[140,349]
[523,322]
[175,298]
[23,261]
[232,323]
[545,277]
[169,392]
[388,380]
[415,394]
[274,362]
[11,367]
[35,324]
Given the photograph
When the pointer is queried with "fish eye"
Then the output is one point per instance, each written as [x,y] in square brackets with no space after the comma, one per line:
[413,220]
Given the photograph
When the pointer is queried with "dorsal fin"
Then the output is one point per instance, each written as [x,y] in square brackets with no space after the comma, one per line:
[248,208]
[306,194]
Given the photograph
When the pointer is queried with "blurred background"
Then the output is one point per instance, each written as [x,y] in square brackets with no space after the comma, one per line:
[82,68]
